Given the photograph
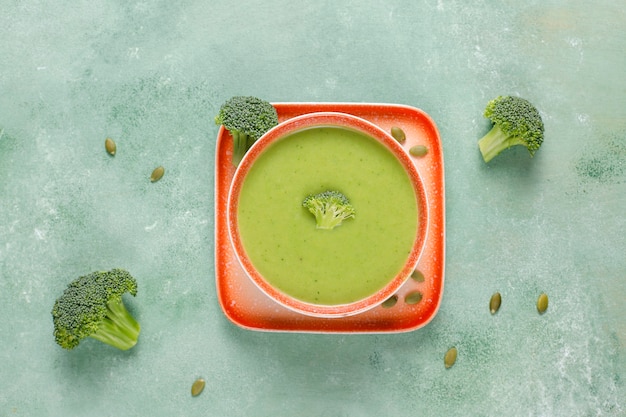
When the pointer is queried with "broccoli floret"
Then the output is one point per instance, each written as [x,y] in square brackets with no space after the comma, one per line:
[92,306]
[515,122]
[247,119]
[330,208]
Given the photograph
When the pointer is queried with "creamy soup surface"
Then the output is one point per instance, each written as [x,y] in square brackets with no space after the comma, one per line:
[351,261]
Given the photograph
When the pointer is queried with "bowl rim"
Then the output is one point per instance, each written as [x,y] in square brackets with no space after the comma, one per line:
[318,120]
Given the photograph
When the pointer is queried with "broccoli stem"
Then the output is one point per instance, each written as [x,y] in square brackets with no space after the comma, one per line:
[119,328]
[495,141]
[240,146]
[329,220]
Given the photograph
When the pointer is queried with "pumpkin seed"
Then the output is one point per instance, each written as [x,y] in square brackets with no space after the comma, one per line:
[398,134]
[494,303]
[110,146]
[542,303]
[413,297]
[417,276]
[450,357]
[418,150]
[197,387]
[390,302]
[157,174]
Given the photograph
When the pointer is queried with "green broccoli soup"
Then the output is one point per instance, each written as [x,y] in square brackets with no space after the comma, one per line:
[351,261]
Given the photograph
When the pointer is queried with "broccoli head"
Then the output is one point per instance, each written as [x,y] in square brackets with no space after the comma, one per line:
[330,208]
[515,122]
[92,306]
[247,119]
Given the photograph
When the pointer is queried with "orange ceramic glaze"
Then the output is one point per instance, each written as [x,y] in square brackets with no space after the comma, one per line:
[249,306]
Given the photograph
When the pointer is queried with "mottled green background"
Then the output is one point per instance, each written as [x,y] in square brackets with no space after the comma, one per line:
[152,74]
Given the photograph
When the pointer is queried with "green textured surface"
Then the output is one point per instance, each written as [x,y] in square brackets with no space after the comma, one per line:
[152,75]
